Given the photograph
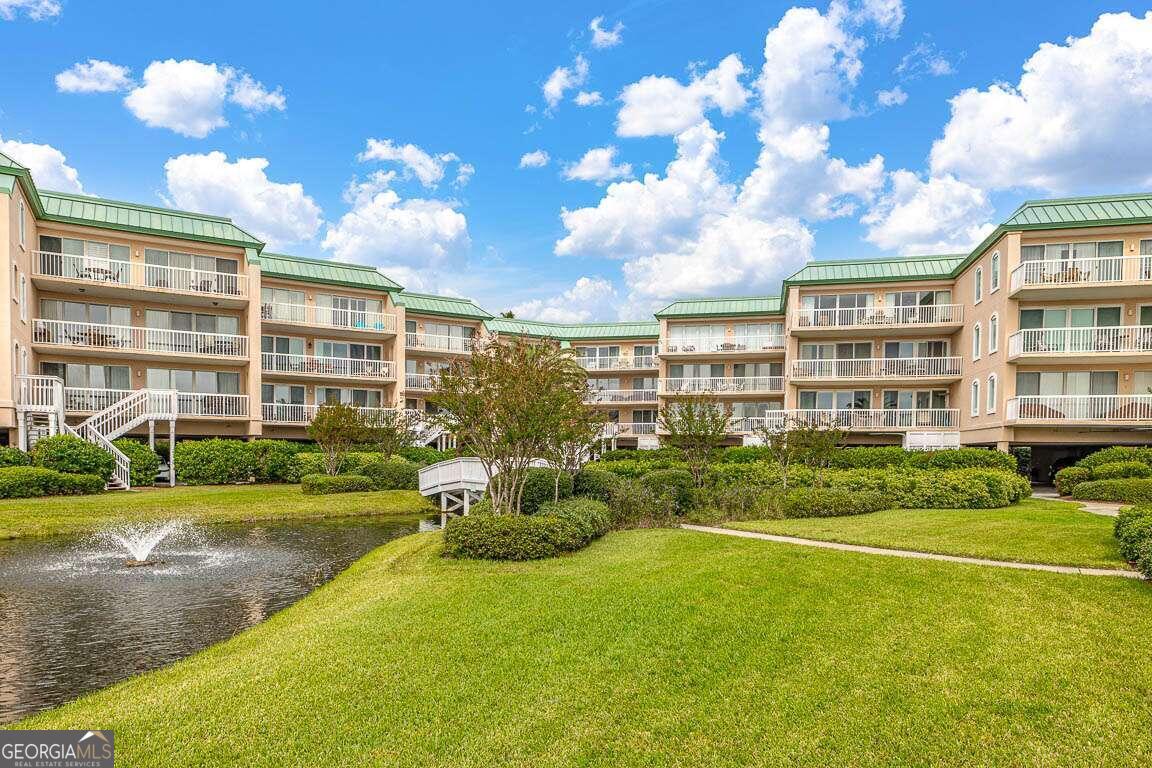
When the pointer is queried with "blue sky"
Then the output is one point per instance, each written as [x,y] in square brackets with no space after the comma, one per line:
[395,134]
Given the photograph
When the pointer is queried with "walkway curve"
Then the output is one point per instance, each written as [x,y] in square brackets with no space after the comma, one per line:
[913,554]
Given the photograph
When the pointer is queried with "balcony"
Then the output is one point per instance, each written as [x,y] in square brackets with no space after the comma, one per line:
[1081,410]
[853,419]
[878,369]
[430,342]
[66,337]
[744,385]
[123,279]
[1125,343]
[346,321]
[616,429]
[312,366]
[634,363]
[293,413]
[1110,276]
[424,382]
[922,320]
[610,396]
[189,404]
[720,346]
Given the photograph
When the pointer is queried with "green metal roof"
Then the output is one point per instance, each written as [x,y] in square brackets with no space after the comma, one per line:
[1082,211]
[877,270]
[729,307]
[324,271]
[445,306]
[574,331]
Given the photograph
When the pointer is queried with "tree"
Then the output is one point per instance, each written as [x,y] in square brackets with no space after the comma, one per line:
[391,429]
[783,443]
[508,402]
[336,428]
[697,425]
[508,314]
[816,441]
[575,436]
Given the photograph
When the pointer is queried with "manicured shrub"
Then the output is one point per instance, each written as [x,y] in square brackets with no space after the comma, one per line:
[1023,456]
[1119,469]
[744,454]
[1130,490]
[633,505]
[742,473]
[948,490]
[591,517]
[1143,560]
[631,454]
[30,482]
[540,486]
[393,474]
[144,463]
[1116,453]
[831,502]
[870,457]
[1133,527]
[897,485]
[557,527]
[214,462]
[13,457]
[675,485]
[595,484]
[634,468]
[275,461]
[424,456]
[315,485]
[964,458]
[66,453]
[1068,478]
[733,502]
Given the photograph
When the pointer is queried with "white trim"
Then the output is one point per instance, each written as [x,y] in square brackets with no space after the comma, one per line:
[978,285]
[994,269]
[977,341]
[974,398]
[994,333]
[992,394]
[23,225]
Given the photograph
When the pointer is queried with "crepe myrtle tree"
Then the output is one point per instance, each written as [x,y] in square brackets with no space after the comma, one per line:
[782,442]
[697,425]
[335,429]
[570,445]
[816,441]
[389,430]
[509,401]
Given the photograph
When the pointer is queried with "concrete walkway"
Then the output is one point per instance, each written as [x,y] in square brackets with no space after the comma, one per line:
[913,554]
[1105,508]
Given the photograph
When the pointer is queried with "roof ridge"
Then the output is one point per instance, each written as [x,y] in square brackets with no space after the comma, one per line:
[437,296]
[880,259]
[1084,199]
[318,260]
[125,203]
[728,298]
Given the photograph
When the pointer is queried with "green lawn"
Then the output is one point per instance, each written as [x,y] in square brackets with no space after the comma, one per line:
[659,648]
[1035,531]
[216,503]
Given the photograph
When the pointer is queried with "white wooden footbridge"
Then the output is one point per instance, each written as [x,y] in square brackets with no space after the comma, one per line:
[458,482]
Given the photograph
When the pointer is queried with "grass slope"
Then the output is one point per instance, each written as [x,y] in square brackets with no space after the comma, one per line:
[1035,531]
[659,648]
[216,503]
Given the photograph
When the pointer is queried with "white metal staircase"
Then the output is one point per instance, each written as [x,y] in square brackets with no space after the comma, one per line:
[40,406]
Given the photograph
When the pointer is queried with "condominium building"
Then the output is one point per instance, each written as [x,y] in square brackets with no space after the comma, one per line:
[128,319]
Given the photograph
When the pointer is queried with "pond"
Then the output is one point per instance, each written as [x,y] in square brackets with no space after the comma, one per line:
[75,618]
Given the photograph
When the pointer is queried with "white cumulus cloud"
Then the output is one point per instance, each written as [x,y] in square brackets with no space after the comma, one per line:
[278,213]
[36,10]
[589,298]
[535,159]
[605,38]
[428,168]
[941,214]
[252,96]
[598,165]
[564,79]
[49,166]
[588,98]
[93,76]
[1071,122]
[663,106]
[892,97]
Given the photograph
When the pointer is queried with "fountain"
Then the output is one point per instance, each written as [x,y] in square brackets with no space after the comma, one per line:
[138,540]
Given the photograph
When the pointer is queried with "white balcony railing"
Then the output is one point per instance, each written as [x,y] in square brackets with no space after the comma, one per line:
[438,342]
[1072,272]
[88,400]
[137,339]
[883,317]
[314,365]
[41,394]
[327,317]
[880,418]
[1105,409]
[294,413]
[628,428]
[878,368]
[634,363]
[137,274]
[425,382]
[620,396]
[723,344]
[1047,341]
[720,385]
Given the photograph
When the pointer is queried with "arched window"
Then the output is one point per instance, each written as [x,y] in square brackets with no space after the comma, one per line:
[974,405]
[994,280]
[993,333]
[991,406]
[978,287]
[977,341]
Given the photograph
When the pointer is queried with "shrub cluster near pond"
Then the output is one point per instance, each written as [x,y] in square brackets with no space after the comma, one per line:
[31,482]
[1121,474]
[558,527]
[63,465]
[1134,534]
[66,453]
[144,462]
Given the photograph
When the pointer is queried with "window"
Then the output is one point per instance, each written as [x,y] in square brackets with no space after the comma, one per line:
[993,333]
[696,371]
[190,272]
[908,399]
[282,345]
[978,281]
[974,403]
[89,376]
[913,349]
[363,398]
[835,308]
[692,338]
[348,350]
[206,382]
[80,312]
[1075,262]
[23,213]
[991,404]
[23,297]
[644,383]
[758,336]
[283,394]
[1063,383]
[838,399]
[282,304]
[976,341]
[994,268]
[191,321]
[347,311]
[756,370]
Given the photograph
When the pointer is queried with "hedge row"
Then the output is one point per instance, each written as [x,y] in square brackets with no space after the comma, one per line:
[1133,531]
[70,454]
[1100,476]
[558,527]
[831,502]
[1129,490]
[877,457]
[22,482]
